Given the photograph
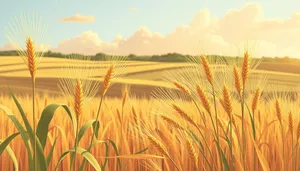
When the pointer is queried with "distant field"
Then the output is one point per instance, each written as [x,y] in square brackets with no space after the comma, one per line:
[142,76]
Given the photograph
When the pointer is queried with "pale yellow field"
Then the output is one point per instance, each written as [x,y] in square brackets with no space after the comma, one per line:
[147,75]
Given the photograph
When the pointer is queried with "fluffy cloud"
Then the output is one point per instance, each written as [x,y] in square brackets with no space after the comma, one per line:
[78,18]
[204,34]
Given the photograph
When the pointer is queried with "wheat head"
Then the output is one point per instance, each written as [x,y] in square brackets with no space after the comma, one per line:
[78,99]
[291,124]
[182,88]
[107,79]
[237,80]
[245,67]
[207,69]
[255,99]
[184,115]
[204,99]
[172,122]
[31,58]
[158,145]
[192,151]
[278,111]
[298,131]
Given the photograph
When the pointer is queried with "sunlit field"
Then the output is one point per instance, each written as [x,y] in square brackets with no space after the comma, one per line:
[151,115]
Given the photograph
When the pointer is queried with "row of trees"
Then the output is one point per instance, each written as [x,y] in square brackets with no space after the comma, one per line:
[170,57]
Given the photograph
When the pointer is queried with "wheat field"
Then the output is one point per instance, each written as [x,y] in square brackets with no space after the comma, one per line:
[171,116]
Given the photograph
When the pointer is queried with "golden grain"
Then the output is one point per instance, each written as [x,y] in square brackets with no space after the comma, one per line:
[192,152]
[182,88]
[255,100]
[107,79]
[184,115]
[207,70]
[31,58]
[291,124]
[237,80]
[245,67]
[172,122]
[78,99]
[204,99]
[278,111]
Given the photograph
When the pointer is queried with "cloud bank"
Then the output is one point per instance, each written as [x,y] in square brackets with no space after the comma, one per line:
[78,18]
[203,34]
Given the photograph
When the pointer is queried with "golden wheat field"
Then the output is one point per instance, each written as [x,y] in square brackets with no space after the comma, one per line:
[152,116]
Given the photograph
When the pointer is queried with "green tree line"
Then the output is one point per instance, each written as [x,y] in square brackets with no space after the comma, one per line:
[169,57]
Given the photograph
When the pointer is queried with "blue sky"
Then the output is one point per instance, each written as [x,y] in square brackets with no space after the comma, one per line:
[114,17]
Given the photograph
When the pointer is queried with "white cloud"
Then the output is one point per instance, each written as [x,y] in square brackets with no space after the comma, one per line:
[78,18]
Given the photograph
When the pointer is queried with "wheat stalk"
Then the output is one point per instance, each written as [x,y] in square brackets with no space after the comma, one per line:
[204,99]
[278,111]
[172,122]
[279,116]
[135,116]
[78,104]
[226,103]
[298,131]
[255,100]
[237,80]
[182,88]
[31,57]
[107,79]
[245,67]
[78,99]
[207,70]
[192,152]
[291,124]
[185,115]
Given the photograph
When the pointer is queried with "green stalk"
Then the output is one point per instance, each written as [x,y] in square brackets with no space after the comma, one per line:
[34,122]
[282,137]
[254,153]
[76,144]
[203,117]
[292,151]
[214,162]
[201,151]
[217,127]
[174,163]
[297,163]
[94,132]
[121,149]
[243,130]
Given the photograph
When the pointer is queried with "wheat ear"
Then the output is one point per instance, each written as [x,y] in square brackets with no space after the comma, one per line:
[291,124]
[107,79]
[182,88]
[245,68]
[192,152]
[226,103]
[172,122]
[31,57]
[207,69]
[185,115]
[255,100]
[237,80]
[298,131]
[204,99]
[278,111]
[78,99]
